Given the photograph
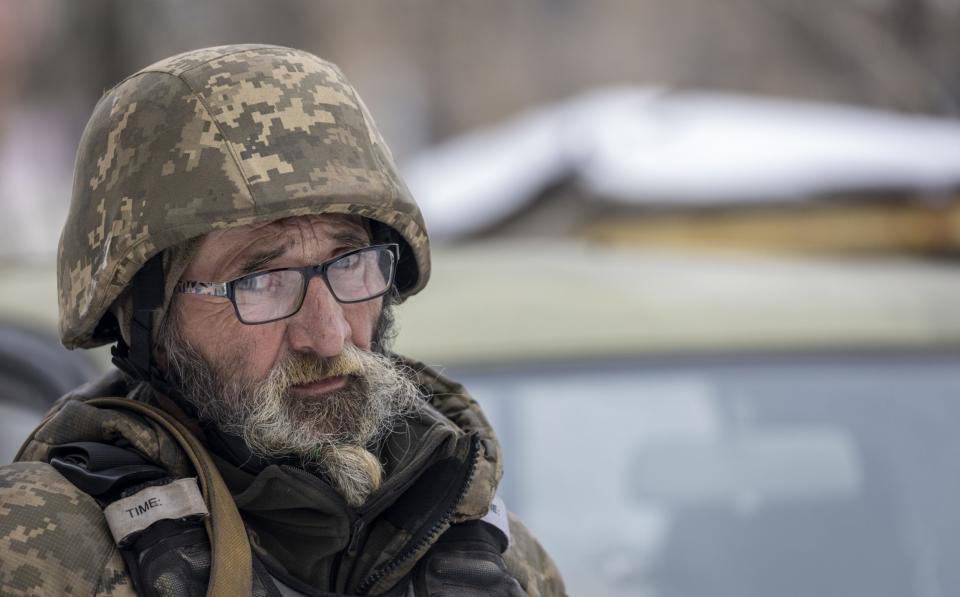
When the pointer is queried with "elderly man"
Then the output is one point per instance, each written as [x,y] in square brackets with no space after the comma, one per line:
[239,230]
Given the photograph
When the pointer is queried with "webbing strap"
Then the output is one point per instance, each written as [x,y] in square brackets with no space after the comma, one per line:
[231,567]
[147,298]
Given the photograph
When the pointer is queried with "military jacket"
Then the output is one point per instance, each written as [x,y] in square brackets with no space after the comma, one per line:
[441,469]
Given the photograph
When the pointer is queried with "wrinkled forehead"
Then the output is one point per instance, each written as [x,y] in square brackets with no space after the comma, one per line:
[312,236]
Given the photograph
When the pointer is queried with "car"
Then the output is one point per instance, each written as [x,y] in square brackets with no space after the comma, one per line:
[703,423]
[718,335]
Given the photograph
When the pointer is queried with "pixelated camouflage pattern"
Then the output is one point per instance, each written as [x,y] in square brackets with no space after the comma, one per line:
[530,564]
[526,559]
[73,420]
[53,538]
[453,401]
[115,580]
[216,138]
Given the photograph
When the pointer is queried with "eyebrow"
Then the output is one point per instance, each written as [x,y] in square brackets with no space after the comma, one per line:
[351,239]
[261,258]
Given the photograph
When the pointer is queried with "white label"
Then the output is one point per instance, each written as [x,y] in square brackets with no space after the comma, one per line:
[497,516]
[178,499]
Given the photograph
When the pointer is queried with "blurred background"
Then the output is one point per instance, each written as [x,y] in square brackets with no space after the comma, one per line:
[698,260]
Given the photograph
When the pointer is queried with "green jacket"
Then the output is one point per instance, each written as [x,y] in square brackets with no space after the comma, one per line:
[443,468]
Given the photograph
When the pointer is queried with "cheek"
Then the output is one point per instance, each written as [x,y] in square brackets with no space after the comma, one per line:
[238,349]
[256,349]
[362,318]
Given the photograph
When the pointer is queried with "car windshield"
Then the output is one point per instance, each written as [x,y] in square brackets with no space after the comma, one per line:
[793,475]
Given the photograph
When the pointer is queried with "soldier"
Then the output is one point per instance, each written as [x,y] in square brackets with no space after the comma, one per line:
[239,230]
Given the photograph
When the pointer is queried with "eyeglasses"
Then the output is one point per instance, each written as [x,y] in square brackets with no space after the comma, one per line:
[274,294]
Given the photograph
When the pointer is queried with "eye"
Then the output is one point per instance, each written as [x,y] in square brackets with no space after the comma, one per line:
[347,262]
[264,282]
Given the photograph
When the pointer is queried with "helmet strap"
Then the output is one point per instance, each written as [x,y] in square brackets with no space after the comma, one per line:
[137,359]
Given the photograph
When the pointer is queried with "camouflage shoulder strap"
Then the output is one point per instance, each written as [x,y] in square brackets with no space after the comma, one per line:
[231,567]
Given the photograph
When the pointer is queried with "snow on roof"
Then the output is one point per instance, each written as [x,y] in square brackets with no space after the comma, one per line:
[650,146]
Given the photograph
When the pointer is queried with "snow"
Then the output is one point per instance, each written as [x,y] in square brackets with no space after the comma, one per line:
[651,146]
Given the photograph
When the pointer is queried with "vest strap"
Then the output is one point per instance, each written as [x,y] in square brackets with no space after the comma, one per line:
[231,566]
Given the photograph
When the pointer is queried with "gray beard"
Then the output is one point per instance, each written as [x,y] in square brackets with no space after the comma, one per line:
[336,431]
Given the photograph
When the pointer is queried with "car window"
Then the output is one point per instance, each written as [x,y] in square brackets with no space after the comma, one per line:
[749,476]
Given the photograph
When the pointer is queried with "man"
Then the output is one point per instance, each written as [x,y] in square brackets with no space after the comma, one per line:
[239,229]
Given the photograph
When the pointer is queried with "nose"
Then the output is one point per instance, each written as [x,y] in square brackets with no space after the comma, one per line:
[320,326]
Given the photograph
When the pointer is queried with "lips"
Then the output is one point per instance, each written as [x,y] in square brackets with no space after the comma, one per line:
[322,386]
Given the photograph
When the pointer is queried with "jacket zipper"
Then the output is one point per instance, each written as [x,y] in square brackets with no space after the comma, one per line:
[434,529]
[356,523]
[352,548]
[355,527]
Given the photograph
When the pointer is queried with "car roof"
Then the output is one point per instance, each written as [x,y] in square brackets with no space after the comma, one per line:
[509,302]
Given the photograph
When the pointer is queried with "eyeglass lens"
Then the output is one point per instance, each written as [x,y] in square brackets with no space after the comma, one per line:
[352,278]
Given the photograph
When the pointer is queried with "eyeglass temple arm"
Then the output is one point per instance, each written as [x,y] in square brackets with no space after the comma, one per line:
[204,288]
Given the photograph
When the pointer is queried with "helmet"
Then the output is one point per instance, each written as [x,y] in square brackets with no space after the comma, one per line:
[212,139]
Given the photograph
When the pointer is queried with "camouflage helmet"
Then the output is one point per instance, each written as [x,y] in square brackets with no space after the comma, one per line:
[212,139]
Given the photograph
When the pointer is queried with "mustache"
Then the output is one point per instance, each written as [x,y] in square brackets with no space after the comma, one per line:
[303,368]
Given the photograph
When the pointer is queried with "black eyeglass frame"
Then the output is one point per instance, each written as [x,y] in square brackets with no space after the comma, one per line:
[309,272]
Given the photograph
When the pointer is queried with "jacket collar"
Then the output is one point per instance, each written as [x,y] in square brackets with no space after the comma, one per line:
[301,528]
